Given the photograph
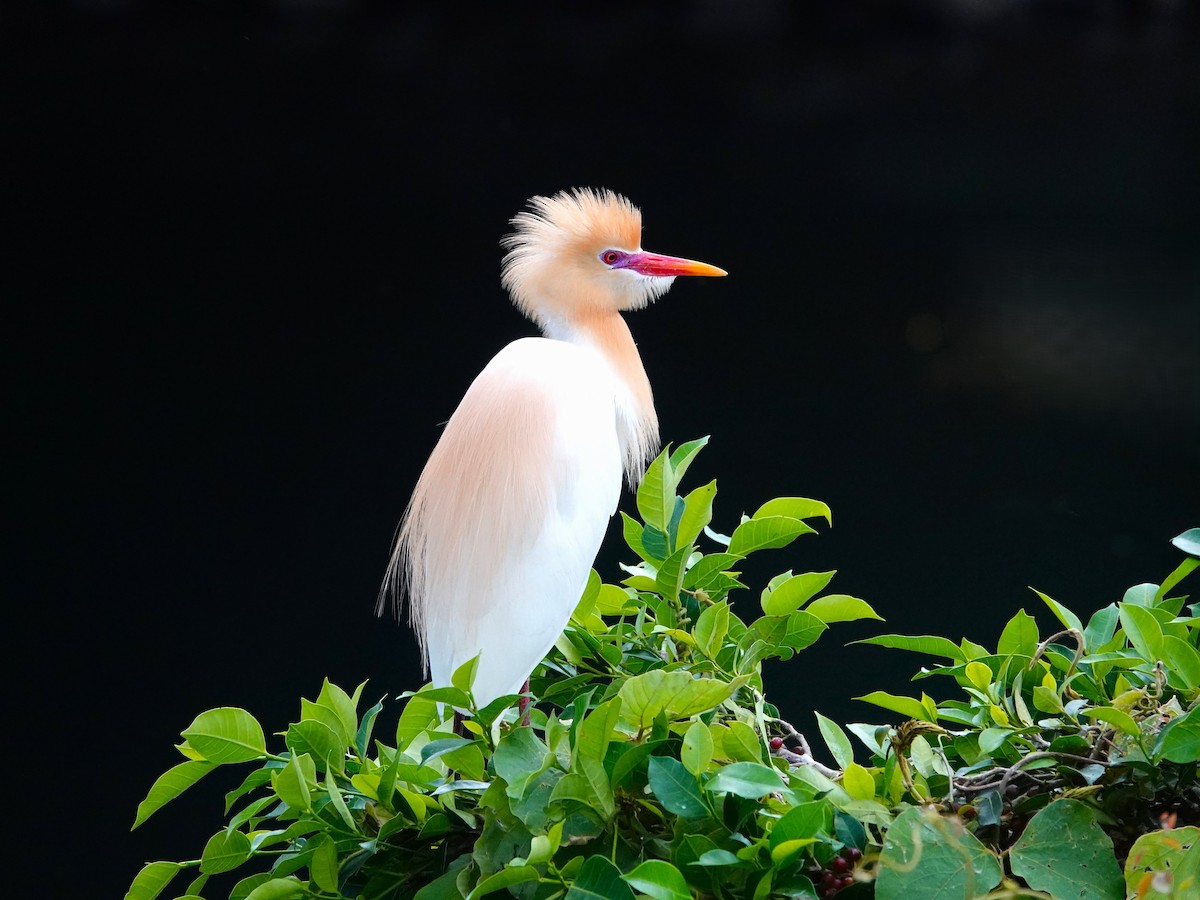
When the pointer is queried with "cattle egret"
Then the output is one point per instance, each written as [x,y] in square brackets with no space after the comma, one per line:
[496,545]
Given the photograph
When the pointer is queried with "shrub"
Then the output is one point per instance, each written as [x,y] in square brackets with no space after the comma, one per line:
[654,765]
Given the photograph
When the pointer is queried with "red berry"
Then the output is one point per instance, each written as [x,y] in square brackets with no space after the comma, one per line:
[839,864]
[776,743]
[829,881]
[846,882]
[853,854]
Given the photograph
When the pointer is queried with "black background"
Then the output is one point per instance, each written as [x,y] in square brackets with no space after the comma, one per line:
[253,264]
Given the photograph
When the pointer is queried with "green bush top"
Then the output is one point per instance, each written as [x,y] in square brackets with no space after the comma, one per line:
[654,765]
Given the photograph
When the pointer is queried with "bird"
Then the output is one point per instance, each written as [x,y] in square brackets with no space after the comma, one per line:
[498,540]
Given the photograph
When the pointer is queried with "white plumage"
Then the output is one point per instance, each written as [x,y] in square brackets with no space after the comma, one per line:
[508,515]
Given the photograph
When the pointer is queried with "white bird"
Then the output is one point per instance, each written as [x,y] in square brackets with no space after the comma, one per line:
[497,543]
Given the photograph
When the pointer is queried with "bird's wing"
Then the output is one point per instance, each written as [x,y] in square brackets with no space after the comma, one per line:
[509,513]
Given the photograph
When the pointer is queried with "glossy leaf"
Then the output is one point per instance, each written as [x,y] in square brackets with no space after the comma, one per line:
[1188,541]
[795,508]
[933,858]
[1020,635]
[151,880]
[226,735]
[836,740]
[697,750]
[225,851]
[1064,852]
[745,779]
[1143,631]
[170,785]
[929,644]
[1179,741]
[675,787]
[1162,854]
[841,608]
[599,879]
[905,706]
[677,695]
[770,533]
[794,592]
[660,880]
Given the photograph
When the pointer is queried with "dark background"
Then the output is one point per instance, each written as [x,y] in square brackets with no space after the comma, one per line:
[253,264]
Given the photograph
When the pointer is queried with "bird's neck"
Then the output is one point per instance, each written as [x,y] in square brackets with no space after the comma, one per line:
[606,332]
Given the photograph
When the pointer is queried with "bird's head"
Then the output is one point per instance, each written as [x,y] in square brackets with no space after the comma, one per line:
[579,253]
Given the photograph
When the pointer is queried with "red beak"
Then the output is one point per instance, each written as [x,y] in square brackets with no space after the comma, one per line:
[663,266]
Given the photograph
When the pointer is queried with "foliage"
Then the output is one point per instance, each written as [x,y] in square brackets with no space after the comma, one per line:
[654,766]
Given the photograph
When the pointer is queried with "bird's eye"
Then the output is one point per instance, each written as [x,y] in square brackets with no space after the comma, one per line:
[610,257]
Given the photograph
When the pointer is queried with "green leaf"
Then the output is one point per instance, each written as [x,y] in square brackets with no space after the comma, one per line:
[1066,854]
[323,865]
[770,533]
[794,508]
[1182,658]
[1179,741]
[225,851]
[1161,851]
[858,782]
[711,628]
[933,858]
[418,714]
[660,880]
[151,880]
[1181,572]
[170,785]
[670,574]
[929,644]
[745,779]
[295,781]
[226,735]
[697,750]
[1141,595]
[1115,717]
[587,785]
[675,787]
[1188,541]
[656,543]
[316,739]
[1020,635]
[841,608]
[278,889]
[1100,628]
[804,820]
[632,530]
[697,512]
[682,458]
[836,740]
[464,676]
[708,570]
[905,706]
[339,802]
[741,742]
[338,701]
[1063,614]
[656,495]
[1143,631]
[505,878]
[794,592]
[614,601]
[519,755]
[677,695]
[598,879]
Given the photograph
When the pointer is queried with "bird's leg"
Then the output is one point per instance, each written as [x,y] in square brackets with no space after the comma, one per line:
[523,703]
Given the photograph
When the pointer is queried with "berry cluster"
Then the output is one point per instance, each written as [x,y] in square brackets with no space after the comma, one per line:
[838,872]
